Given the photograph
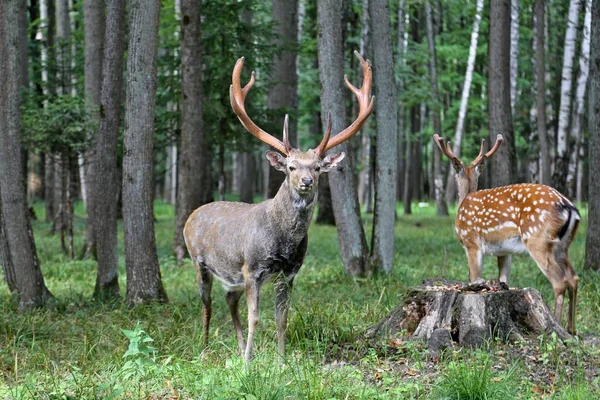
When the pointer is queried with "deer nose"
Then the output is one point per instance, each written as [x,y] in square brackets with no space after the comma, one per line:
[307,181]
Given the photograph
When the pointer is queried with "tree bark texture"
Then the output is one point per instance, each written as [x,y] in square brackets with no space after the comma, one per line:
[504,163]
[464,100]
[191,171]
[104,187]
[353,244]
[365,175]
[438,176]
[577,112]
[400,65]
[559,178]
[514,52]
[592,241]
[386,163]
[63,49]
[283,96]
[444,312]
[94,22]
[18,247]
[144,282]
[540,77]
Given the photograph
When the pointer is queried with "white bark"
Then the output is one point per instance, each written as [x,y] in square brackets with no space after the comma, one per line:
[579,100]
[42,36]
[462,111]
[565,93]
[514,51]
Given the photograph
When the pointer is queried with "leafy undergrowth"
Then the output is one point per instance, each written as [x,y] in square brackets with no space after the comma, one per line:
[79,349]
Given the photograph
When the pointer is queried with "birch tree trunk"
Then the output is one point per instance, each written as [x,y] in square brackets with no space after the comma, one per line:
[562,157]
[464,100]
[17,246]
[144,282]
[364,177]
[351,235]
[592,242]
[400,65]
[514,52]
[438,176]
[577,113]
[503,165]
[382,245]
[540,77]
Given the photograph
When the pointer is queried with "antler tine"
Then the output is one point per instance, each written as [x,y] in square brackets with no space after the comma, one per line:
[237,97]
[286,136]
[365,102]
[320,151]
[494,149]
[446,149]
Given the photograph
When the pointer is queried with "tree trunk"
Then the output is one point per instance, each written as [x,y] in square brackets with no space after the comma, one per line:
[63,48]
[283,96]
[17,244]
[104,187]
[386,164]
[191,173]
[353,244]
[592,242]
[400,65]
[464,100]
[577,113]
[365,174]
[503,165]
[438,176]
[540,76]
[514,52]
[410,171]
[94,29]
[246,176]
[559,178]
[144,282]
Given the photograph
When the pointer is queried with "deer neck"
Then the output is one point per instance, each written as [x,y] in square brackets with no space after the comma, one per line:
[291,211]
[464,187]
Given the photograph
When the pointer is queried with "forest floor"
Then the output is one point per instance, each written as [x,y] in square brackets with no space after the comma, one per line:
[76,348]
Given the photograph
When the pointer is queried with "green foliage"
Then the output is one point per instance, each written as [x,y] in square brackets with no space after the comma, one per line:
[141,356]
[60,127]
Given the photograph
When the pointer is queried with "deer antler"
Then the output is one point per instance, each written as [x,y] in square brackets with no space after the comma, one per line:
[481,156]
[446,148]
[365,103]
[237,96]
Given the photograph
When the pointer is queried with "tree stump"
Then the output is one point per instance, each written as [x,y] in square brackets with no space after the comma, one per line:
[442,312]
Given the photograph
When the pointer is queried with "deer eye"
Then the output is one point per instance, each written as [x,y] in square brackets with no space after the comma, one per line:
[317,168]
[292,168]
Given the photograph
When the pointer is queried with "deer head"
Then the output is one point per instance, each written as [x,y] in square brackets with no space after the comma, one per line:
[303,169]
[467,176]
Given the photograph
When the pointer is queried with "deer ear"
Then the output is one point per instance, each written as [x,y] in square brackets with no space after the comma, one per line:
[331,160]
[458,166]
[481,164]
[277,160]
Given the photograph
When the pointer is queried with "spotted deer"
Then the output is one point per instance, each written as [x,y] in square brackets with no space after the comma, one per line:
[514,219]
[245,245]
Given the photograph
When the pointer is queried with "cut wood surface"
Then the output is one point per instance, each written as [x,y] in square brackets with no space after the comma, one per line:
[442,312]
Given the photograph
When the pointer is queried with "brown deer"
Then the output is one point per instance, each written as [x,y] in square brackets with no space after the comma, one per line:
[514,219]
[245,245]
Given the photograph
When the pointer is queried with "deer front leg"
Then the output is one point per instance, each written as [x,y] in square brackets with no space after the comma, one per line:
[205,279]
[475,260]
[283,291]
[504,268]
[252,298]
[233,299]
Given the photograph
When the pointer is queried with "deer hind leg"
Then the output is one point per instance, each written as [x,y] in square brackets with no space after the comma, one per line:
[233,298]
[205,282]
[572,282]
[504,268]
[283,291]
[543,253]
[475,259]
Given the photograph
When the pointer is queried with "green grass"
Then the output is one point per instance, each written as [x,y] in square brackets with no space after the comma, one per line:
[73,349]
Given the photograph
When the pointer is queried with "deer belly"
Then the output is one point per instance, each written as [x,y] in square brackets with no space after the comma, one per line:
[512,245]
